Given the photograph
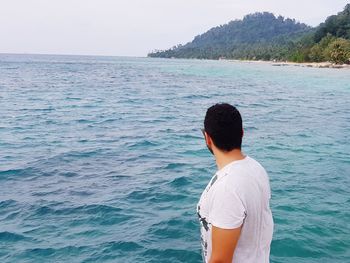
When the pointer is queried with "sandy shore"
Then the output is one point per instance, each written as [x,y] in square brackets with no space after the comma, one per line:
[308,65]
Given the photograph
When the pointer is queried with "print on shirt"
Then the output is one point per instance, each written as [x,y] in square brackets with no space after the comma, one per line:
[212,182]
[204,225]
[203,221]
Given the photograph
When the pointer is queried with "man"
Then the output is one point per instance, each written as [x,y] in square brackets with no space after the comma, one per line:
[234,211]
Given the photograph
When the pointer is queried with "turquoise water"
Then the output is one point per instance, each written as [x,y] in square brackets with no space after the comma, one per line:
[102,158]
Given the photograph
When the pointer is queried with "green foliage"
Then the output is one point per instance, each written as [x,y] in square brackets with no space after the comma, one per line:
[339,51]
[316,54]
[336,25]
[320,52]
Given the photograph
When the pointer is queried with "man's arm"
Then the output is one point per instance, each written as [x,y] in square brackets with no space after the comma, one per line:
[224,242]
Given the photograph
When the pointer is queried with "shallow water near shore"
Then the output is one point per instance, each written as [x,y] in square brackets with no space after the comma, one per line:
[102,158]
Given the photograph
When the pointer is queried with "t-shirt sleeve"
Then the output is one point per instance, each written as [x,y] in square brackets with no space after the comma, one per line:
[227,210]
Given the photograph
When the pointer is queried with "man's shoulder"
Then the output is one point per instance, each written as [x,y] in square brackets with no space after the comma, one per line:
[244,172]
[242,165]
[251,164]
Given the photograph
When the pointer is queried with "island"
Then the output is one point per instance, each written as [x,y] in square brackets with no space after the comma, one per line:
[263,36]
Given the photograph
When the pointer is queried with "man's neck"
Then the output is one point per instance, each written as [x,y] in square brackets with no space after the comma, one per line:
[224,158]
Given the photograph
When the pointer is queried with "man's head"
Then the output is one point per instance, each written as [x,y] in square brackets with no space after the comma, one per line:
[223,126]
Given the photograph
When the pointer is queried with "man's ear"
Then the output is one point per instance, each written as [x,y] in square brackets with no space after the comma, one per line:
[208,139]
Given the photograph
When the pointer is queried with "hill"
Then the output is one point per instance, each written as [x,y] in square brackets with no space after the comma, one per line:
[263,36]
[335,25]
[250,38]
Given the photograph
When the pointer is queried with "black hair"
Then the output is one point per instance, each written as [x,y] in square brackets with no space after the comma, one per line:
[223,123]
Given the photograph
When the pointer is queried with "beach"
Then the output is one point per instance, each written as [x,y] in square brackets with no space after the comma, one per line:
[295,64]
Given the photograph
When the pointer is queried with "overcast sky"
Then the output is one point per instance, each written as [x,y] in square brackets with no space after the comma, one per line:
[132,27]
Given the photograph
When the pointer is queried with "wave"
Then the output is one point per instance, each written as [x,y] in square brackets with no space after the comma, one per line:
[12,237]
[180,181]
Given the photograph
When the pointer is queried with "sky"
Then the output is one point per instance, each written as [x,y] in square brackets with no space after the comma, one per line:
[132,27]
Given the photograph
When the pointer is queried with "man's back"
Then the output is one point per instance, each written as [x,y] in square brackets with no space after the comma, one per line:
[239,194]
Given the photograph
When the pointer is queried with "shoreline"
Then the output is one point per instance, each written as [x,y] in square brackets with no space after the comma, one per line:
[296,64]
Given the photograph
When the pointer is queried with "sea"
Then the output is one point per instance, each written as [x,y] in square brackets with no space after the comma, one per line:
[102,158]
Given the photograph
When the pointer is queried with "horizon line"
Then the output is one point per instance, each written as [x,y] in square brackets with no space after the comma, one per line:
[65,54]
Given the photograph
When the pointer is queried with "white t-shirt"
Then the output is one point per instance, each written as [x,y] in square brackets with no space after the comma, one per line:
[239,193]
